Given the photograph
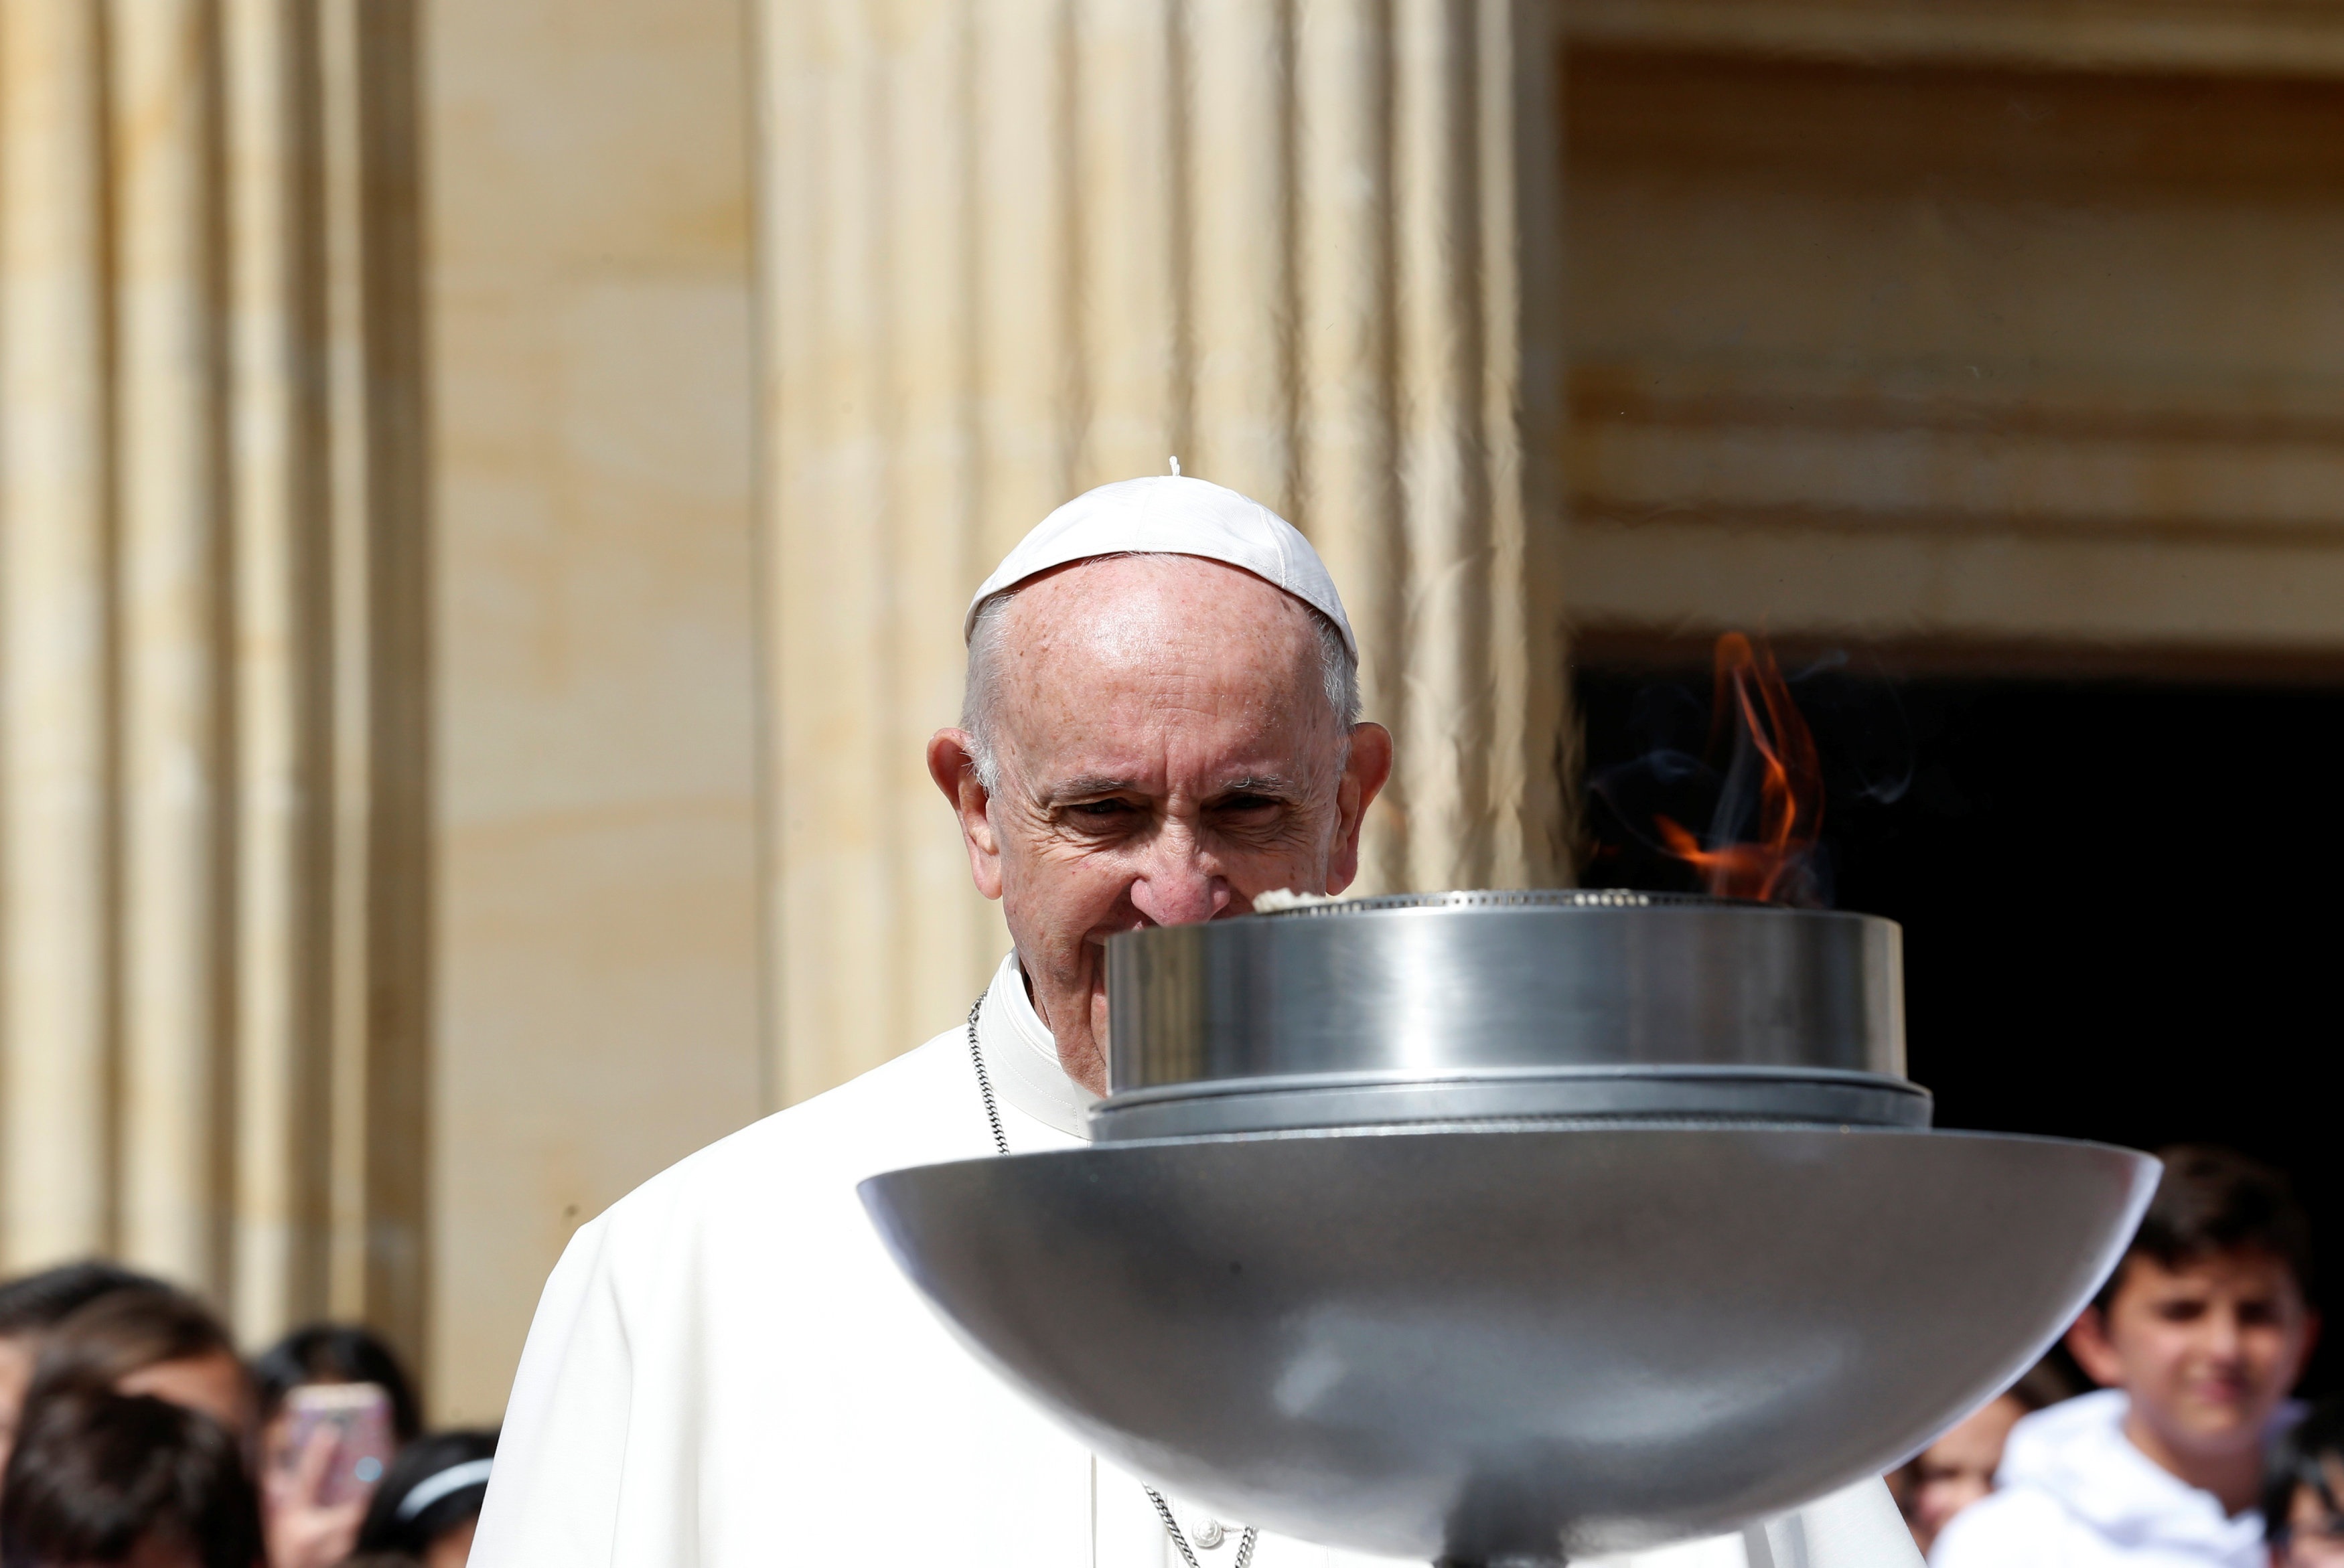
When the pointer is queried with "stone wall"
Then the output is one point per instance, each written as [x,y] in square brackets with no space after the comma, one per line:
[594,936]
[2007,334]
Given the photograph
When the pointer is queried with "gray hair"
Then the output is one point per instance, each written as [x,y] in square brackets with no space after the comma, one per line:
[1338,673]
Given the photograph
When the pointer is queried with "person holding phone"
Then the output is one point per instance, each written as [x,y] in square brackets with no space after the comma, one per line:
[335,1448]
[335,1407]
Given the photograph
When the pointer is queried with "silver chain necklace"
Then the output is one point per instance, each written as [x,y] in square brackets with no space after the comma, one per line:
[1000,1143]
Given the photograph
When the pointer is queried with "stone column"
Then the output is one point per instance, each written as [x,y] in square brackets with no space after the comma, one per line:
[1015,249]
[277,466]
[169,494]
[197,435]
[57,1018]
[373,938]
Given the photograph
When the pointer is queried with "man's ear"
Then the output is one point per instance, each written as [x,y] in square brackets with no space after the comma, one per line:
[2089,1343]
[1364,776]
[951,763]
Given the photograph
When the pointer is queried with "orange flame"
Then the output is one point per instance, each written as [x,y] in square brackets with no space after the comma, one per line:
[1767,732]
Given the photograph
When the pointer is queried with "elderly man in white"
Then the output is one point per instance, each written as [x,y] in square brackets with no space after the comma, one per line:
[726,1369]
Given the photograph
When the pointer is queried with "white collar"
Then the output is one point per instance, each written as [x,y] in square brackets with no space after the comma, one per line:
[1022,1057]
[2078,1451]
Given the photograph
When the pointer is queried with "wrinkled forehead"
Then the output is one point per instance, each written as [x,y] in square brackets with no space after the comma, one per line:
[1108,647]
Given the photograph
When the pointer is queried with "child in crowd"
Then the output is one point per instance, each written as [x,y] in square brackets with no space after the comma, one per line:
[2196,1339]
[426,1509]
[2302,1515]
[1958,1469]
[99,1477]
[32,1306]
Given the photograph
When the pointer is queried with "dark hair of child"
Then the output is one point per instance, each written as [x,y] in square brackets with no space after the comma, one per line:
[95,1472]
[39,1301]
[435,1484]
[2048,1383]
[124,1331]
[336,1353]
[2213,1201]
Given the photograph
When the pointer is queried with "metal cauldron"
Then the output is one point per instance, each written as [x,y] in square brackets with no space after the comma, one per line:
[1543,1235]
[1462,1006]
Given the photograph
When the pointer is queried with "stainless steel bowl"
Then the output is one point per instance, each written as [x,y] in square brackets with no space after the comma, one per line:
[1515,1345]
[1465,1006]
[1510,1227]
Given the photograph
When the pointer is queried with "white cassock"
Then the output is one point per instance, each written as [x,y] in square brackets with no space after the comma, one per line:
[728,1370]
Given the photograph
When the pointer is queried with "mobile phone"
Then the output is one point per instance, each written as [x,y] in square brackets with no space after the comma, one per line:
[359,1415]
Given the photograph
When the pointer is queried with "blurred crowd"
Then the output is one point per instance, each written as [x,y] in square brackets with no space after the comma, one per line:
[2189,1451]
[133,1433]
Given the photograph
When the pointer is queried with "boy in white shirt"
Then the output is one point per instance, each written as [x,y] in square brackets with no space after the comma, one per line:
[2195,1339]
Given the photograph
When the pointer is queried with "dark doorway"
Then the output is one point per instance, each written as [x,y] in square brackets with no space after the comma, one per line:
[2119,902]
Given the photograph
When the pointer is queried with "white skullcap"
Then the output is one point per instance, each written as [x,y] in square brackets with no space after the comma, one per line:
[1171,516]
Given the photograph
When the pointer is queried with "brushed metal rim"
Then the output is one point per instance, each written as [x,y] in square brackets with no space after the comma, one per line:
[1780,1096]
[1690,1072]
[1509,899]
[1520,1098]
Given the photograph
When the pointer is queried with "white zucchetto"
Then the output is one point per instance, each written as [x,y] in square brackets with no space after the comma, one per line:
[1168,515]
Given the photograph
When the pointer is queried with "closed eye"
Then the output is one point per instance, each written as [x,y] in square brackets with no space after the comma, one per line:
[1249,803]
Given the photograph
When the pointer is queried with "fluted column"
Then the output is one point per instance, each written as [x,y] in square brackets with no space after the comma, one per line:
[170,493]
[273,452]
[1013,249]
[375,941]
[55,766]
[209,406]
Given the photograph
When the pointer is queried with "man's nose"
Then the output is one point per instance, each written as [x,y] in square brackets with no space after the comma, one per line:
[1178,886]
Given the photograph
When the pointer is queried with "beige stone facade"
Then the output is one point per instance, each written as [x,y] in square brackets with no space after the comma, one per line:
[487,492]
[2004,336]
[212,814]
